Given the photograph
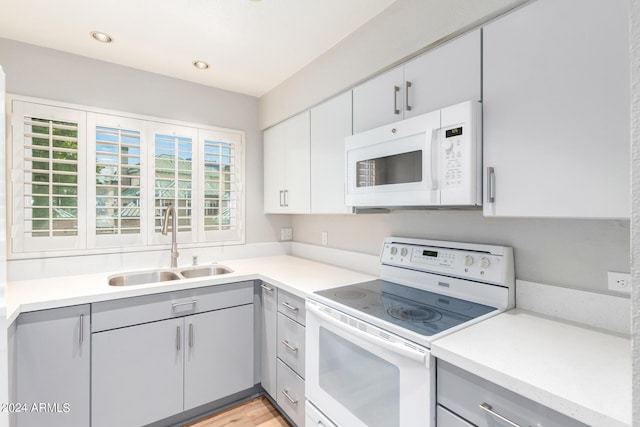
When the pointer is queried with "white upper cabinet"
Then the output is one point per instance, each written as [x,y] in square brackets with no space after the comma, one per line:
[330,124]
[444,76]
[286,166]
[556,111]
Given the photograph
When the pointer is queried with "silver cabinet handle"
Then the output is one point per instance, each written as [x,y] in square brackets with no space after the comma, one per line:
[488,409]
[491,185]
[396,90]
[407,85]
[180,304]
[178,338]
[291,399]
[266,288]
[286,198]
[289,306]
[289,346]
[281,198]
[81,329]
[190,335]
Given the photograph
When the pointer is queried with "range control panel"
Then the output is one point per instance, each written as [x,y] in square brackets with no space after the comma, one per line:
[469,264]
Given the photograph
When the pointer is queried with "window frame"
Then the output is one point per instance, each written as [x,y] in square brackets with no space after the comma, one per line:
[87,242]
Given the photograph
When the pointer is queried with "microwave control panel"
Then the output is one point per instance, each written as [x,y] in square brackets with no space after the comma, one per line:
[453,156]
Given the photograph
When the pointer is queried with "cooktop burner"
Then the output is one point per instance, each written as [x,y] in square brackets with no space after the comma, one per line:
[424,312]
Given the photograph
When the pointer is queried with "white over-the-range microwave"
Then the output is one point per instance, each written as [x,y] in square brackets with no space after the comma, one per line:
[431,160]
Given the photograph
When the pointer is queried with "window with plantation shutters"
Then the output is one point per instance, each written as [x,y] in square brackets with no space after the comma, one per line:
[173,178]
[47,178]
[221,178]
[115,194]
[88,181]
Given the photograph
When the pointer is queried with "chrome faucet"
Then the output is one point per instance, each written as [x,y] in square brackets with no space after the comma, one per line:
[174,229]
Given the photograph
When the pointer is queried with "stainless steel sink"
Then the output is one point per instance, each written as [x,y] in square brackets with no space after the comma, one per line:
[129,279]
[211,270]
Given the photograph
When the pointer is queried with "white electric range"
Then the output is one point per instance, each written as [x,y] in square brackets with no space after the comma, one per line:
[368,358]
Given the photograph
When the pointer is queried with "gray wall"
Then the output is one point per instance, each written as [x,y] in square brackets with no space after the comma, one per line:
[55,75]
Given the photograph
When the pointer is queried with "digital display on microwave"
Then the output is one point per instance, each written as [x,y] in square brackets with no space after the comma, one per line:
[453,132]
[433,254]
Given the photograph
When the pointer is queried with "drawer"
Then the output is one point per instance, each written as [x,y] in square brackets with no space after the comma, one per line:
[291,343]
[445,418]
[149,308]
[462,393]
[290,393]
[291,305]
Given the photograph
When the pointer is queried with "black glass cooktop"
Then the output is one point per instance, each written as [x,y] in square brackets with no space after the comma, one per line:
[420,311]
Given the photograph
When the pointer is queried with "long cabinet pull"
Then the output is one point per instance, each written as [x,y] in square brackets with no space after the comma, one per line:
[289,306]
[489,410]
[180,304]
[281,198]
[266,288]
[491,185]
[396,91]
[407,85]
[289,346]
[286,198]
[81,329]
[190,335]
[178,338]
[291,399]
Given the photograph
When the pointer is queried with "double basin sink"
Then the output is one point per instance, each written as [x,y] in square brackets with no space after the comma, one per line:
[163,275]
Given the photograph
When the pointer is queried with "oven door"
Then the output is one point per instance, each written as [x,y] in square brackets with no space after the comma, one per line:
[362,376]
[394,165]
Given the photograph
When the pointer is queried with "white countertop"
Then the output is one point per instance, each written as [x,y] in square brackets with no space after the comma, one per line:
[296,275]
[581,372]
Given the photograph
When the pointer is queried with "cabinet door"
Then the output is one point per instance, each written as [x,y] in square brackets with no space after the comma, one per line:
[445,76]
[378,101]
[219,354]
[53,367]
[330,123]
[269,338]
[297,198]
[556,110]
[273,146]
[137,374]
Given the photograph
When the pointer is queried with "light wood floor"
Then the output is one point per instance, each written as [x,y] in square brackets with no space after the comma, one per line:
[258,412]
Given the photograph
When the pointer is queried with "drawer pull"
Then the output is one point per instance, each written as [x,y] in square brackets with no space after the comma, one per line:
[291,399]
[178,338]
[289,346]
[289,306]
[266,288]
[488,409]
[181,304]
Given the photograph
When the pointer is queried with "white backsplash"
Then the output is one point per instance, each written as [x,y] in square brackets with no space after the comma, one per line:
[88,264]
[602,311]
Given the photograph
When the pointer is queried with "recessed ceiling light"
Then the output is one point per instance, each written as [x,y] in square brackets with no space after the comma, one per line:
[101,37]
[200,65]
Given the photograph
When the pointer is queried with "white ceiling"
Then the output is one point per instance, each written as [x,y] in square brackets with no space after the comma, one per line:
[252,46]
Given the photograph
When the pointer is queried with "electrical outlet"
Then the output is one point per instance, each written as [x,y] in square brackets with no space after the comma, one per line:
[286,234]
[619,282]
[325,238]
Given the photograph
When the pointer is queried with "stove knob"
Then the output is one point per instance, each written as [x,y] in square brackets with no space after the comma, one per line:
[394,250]
[484,262]
[403,252]
[468,260]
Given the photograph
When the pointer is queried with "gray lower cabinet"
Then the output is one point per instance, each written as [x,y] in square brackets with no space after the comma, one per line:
[269,312]
[52,367]
[466,400]
[151,370]
[137,374]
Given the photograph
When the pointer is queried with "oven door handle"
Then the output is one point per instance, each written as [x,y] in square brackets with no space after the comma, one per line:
[397,348]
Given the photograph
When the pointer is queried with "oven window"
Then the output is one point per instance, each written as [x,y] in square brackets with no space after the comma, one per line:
[363,383]
[396,169]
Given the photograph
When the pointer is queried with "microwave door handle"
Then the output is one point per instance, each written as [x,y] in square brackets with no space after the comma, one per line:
[395,348]
[434,158]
